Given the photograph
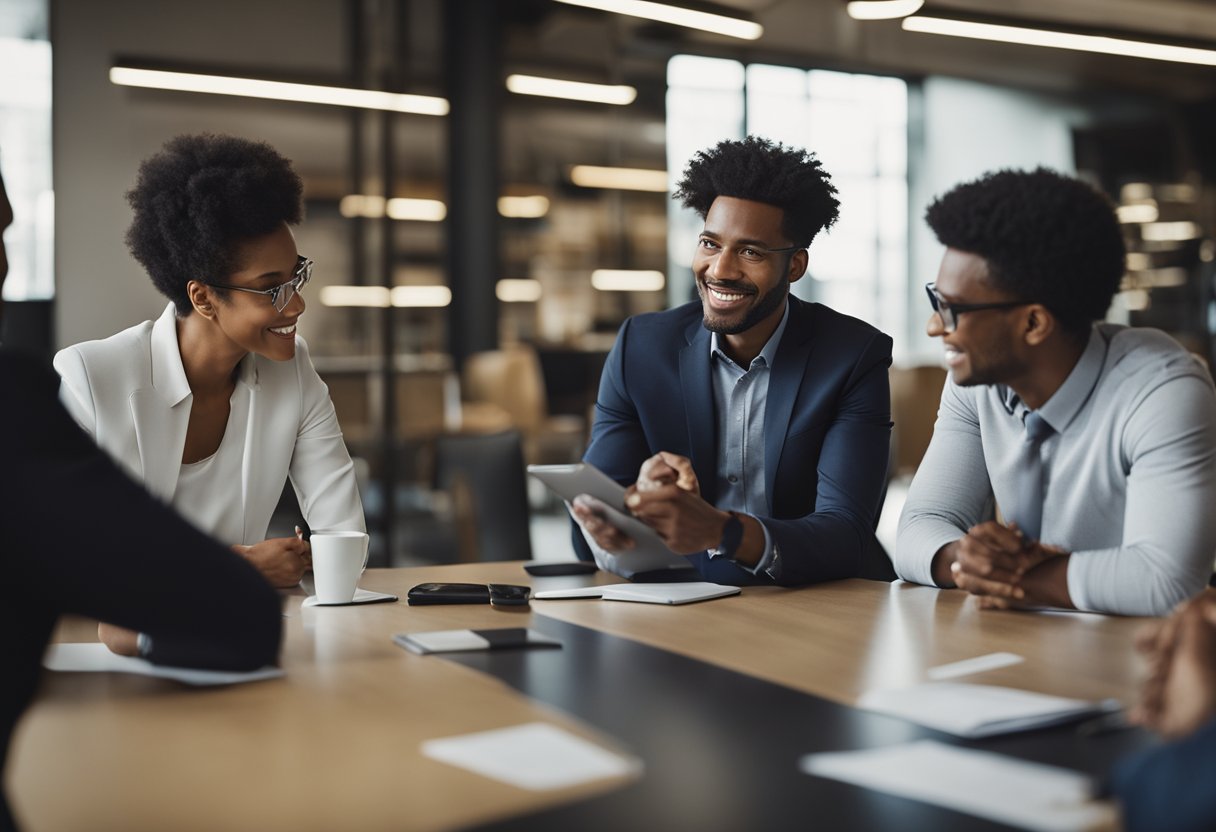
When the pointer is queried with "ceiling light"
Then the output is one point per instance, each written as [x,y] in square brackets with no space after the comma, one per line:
[523,207]
[279,90]
[423,210]
[1169,231]
[376,296]
[1141,212]
[624,179]
[361,205]
[627,280]
[882,9]
[514,290]
[573,90]
[719,24]
[1059,40]
[415,296]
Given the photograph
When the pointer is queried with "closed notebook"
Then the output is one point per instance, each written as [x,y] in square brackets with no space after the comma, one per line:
[979,710]
[457,641]
[678,593]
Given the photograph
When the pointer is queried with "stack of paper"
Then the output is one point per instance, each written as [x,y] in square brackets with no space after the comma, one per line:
[92,657]
[979,710]
[680,593]
[1003,789]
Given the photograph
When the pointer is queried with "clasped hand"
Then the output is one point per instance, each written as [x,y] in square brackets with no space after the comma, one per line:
[998,564]
[666,497]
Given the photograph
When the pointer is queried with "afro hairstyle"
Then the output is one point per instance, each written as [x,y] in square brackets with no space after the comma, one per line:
[762,170]
[197,199]
[1046,237]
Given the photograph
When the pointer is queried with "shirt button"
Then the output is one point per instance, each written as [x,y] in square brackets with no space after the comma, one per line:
[732,478]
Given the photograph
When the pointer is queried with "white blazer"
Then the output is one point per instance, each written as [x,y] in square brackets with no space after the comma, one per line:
[130,392]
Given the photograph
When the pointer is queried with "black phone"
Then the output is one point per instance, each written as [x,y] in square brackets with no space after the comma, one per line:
[509,595]
[448,594]
[561,567]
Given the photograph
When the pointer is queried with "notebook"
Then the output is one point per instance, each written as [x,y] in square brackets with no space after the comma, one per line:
[678,593]
[974,711]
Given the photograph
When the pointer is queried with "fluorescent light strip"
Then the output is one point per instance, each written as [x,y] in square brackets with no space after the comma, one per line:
[399,208]
[623,179]
[1060,40]
[415,296]
[1140,212]
[882,9]
[523,207]
[571,90]
[422,210]
[514,290]
[374,296]
[1169,232]
[624,280]
[278,90]
[719,24]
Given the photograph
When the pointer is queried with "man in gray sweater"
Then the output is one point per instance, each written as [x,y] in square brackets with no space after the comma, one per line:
[1096,442]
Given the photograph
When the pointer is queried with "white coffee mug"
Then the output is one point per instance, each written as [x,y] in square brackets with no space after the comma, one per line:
[338,559]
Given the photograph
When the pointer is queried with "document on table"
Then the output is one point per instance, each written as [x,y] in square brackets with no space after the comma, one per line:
[535,756]
[677,593]
[979,710]
[97,658]
[1003,789]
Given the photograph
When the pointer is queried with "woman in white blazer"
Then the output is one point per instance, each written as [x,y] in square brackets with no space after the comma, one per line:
[216,404]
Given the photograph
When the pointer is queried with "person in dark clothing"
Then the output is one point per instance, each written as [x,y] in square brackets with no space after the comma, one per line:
[131,562]
[1170,788]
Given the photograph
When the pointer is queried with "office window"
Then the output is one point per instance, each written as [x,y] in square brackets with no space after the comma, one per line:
[856,124]
[25,157]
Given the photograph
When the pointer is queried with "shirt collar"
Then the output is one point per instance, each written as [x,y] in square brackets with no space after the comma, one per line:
[767,353]
[168,373]
[1067,401]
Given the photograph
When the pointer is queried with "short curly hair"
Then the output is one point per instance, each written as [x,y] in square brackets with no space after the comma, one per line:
[197,199]
[765,171]
[1046,237]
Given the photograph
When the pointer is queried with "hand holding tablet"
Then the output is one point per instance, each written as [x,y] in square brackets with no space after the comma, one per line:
[637,548]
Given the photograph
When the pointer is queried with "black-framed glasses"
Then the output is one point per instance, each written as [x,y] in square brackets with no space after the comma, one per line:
[282,294]
[749,252]
[949,312]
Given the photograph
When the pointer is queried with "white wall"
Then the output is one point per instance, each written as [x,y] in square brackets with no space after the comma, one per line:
[969,129]
[101,132]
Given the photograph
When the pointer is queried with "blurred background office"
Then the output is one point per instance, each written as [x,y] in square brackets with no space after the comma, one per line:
[487,187]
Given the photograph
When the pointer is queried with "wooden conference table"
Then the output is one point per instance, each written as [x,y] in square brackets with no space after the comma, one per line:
[717,699]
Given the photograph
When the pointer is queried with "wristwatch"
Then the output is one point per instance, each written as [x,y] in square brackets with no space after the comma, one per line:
[732,536]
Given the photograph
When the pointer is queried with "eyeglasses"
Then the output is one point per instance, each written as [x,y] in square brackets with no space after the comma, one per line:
[750,253]
[949,312]
[282,294]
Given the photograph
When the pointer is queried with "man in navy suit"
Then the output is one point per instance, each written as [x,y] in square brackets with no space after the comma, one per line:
[754,427]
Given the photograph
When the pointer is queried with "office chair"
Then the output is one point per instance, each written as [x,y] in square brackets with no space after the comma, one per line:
[484,474]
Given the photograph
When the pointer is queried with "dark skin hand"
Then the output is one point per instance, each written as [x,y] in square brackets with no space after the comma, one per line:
[1004,570]
[659,470]
[1179,695]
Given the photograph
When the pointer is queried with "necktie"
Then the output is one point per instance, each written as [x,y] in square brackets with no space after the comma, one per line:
[1028,505]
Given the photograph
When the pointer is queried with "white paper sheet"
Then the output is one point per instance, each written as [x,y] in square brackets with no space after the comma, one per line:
[362,596]
[94,657]
[979,664]
[535,756]
[675,593]
[1003,789]
[978,710]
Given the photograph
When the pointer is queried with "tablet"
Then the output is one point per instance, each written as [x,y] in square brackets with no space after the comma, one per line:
[649,552]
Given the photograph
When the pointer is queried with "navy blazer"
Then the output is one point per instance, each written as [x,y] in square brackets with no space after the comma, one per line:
[827,433]
[1171,788]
